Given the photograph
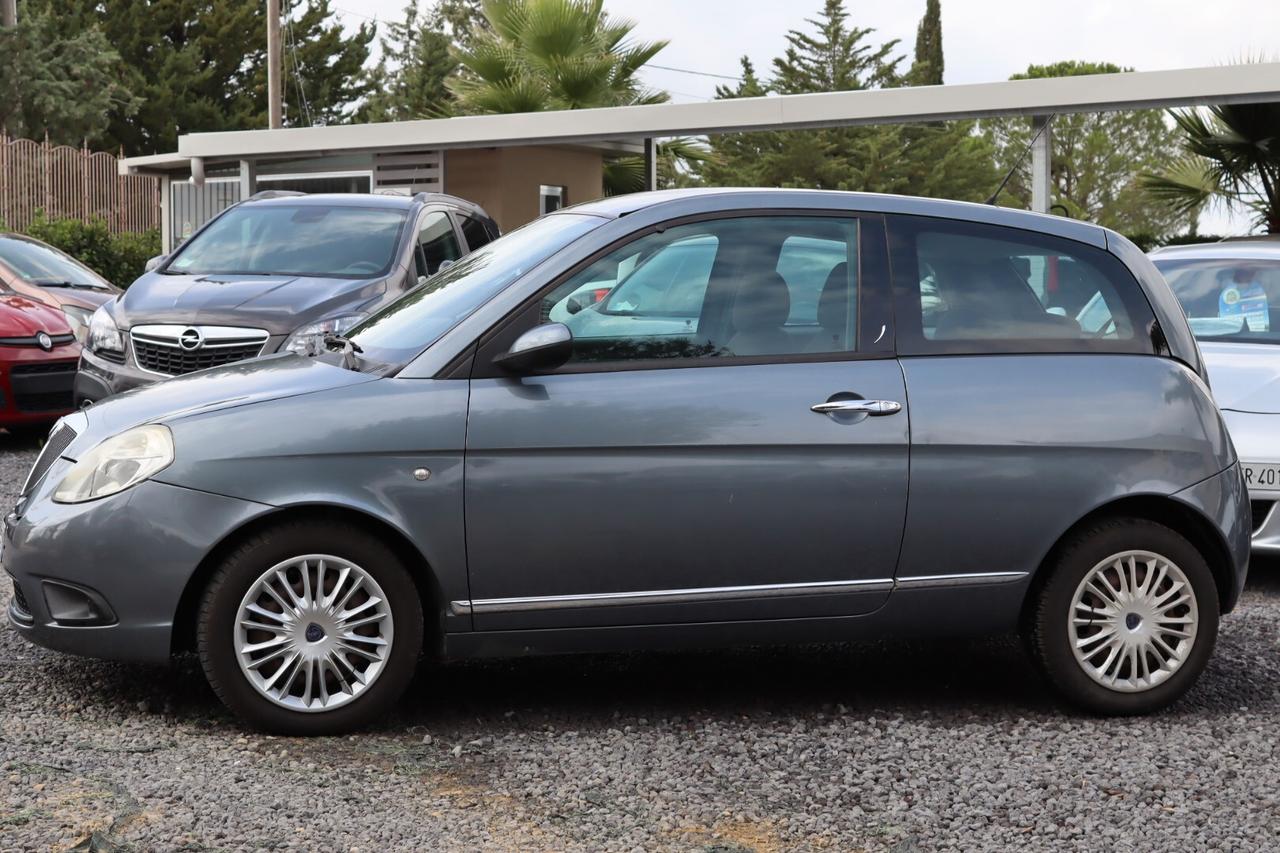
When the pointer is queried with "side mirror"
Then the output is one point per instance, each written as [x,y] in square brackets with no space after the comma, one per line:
[152,263]
[574,305]
[544,347]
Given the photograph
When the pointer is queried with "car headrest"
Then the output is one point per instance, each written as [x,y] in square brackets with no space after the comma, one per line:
[762,303]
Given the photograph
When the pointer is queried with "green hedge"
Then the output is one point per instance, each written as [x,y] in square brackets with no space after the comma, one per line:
[119,258]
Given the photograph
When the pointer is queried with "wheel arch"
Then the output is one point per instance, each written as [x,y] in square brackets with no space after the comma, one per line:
[424,577]
[1182,518]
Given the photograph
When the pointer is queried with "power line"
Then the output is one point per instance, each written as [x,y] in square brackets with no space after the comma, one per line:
[299,83]
[690,71]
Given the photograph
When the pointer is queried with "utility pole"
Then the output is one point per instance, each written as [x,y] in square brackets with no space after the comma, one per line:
[274,119]
[9,13]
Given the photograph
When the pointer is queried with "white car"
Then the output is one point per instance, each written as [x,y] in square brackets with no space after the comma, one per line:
[1231,294]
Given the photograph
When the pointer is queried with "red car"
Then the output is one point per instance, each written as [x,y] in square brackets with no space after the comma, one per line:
[38,357]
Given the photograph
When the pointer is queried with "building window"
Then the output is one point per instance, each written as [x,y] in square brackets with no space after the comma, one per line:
[553,198]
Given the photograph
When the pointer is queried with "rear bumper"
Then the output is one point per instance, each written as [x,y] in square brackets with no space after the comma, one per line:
[1224,501]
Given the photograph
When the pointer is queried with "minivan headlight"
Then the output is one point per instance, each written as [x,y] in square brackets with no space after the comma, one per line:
[121,461]
[309,339]
[103,334]
[78,319]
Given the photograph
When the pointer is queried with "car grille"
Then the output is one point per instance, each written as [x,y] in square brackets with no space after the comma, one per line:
[20,600]
[43,386]
[158,348]
[58,442]
[1261,509]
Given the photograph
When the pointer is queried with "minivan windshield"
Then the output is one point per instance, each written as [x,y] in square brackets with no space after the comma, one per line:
[327,241]
[38,264]
[1227,299]
[413,322]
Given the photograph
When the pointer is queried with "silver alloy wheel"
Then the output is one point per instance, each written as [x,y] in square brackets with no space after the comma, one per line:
[1133,621]
[313,632]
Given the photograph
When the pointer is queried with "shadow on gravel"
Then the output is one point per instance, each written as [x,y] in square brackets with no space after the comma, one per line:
[988,679]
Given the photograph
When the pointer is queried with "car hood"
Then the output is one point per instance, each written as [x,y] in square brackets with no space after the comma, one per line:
[21,317]
[1244,377]
[278,304]
[232,385]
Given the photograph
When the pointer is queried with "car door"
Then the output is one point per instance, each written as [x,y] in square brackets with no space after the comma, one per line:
[728,442]
[1036,398]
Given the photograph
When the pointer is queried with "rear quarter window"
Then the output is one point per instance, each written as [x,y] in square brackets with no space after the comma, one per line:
[973,288]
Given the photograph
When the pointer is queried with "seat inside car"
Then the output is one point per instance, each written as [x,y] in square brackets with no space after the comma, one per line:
[760,309]
[833,312]
[988,298]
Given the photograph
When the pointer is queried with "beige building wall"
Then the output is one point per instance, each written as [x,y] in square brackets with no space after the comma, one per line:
[506,181]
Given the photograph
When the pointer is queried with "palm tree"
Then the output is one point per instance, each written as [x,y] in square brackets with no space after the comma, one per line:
[553,55]
[565,55]
[1232,159]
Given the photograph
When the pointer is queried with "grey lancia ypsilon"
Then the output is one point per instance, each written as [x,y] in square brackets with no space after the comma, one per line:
[680,418]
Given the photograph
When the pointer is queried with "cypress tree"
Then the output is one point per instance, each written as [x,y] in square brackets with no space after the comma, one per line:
[926,69]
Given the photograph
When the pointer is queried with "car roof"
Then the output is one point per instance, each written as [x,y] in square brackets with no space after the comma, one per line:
[740,197]
[1250,250]
[380,200]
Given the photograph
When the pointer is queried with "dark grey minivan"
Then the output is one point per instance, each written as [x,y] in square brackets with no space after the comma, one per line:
[761,417]
[274,273]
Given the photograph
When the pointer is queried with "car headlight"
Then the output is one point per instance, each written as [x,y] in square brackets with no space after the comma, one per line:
[309,340]
[78,319]
[121,461]
[103,334]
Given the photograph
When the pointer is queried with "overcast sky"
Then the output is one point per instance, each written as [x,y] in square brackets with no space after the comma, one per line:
[983,40]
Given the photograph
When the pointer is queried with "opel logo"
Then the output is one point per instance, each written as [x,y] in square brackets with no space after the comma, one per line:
[45,342]
[191,338]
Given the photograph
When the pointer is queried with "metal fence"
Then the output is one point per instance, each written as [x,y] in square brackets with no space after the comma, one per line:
[72,183]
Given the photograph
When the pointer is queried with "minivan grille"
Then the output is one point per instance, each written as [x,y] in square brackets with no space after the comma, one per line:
[1261,509]
[157,348]
[58,442]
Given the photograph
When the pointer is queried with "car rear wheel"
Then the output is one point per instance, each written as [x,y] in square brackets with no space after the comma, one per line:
[1127,618]
[310,628]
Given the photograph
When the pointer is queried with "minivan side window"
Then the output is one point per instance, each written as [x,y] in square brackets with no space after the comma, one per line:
[436,243]
[474,231]
[757,286]
[971,288]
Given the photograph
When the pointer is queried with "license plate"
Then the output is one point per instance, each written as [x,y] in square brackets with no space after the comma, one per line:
[1265,477]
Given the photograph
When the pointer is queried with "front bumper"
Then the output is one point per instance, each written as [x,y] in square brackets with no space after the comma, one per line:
[1257,439]
[104,579]
[1266,533]
[35,385]
[99,378]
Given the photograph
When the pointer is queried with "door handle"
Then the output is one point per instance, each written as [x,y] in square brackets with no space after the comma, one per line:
[875,408]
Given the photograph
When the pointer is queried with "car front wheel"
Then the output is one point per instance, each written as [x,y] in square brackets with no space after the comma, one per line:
[310,628]
[1127,618]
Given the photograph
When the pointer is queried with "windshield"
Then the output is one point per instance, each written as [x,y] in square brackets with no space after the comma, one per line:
[44,265]
[338,241]
[413,322]
[1228,299]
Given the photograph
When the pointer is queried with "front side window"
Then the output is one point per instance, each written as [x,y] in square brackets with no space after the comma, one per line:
[437,243]
[744,287]
[979,288]
[411,323]
[1235,299]
[339,241]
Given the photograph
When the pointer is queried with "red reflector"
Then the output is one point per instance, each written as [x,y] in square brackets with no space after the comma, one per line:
[599,293]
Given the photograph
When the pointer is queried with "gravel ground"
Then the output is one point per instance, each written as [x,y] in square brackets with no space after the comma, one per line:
[898,747]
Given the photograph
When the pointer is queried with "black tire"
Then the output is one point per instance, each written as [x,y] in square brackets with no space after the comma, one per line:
[245,564]
[1046,630]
